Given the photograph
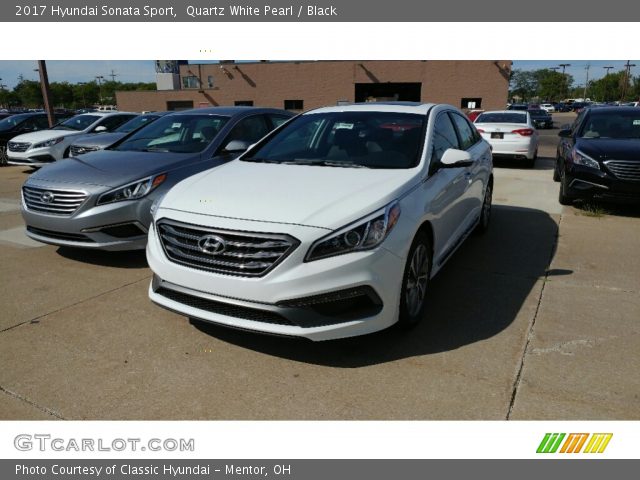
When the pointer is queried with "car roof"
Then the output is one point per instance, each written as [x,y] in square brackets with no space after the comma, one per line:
[613,109]
[397,107]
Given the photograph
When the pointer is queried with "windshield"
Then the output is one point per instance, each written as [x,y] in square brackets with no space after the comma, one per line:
[12,122]
[136,123]
[347,139]
[618,125]
[79,122]
[506,117]
[175,133]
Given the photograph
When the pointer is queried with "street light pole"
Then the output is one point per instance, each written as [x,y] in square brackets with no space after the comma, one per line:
[84,103]
[586,83]
[100,78]
[564,78]
[627,74]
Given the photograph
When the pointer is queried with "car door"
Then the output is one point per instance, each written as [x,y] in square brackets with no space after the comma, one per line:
[444,190]
[475,174]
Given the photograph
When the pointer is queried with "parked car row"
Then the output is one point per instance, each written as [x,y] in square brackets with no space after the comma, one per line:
[326,225]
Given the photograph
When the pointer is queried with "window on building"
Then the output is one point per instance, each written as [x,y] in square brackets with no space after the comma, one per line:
[471,103]
[243,103]
[293,104]
[179,105]
[210,81]
[190,81]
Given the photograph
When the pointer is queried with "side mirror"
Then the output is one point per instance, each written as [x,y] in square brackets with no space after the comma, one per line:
[236,146]
[565,133]
[99,129]
[454,158]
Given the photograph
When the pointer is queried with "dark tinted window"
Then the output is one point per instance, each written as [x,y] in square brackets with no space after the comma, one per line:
[79,122]
[444,137]
[113,122]
[250,129]
[499,117]
[349,139]
[135,123]
[176,133]
[465,131]
[618,125]
[278,120]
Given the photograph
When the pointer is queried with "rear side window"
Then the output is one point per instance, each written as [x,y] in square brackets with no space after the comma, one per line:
[465,131]
[444,137]
[250,129]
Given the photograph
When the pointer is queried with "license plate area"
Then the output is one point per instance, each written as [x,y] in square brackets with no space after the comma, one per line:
[499,135]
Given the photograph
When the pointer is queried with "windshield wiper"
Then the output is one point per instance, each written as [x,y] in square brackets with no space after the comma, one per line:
[324,163]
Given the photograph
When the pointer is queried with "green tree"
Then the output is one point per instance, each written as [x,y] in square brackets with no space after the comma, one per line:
[523,84]
[552,85]
[29,93]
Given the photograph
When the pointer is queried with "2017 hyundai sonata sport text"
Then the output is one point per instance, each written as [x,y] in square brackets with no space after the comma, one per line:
[329,227]
[102,200]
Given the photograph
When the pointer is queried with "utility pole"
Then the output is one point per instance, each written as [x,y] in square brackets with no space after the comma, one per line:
[627,74]
[44,85]
[586,83]
[564,78]
[113,75]
[99,78]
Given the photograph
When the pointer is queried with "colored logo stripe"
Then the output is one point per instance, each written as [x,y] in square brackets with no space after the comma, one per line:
[596,443]
[574,443]
[550,442]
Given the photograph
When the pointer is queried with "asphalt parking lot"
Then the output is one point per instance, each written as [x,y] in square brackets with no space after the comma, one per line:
[538,319]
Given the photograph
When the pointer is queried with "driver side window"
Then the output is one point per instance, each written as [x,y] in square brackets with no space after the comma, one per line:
[444,138]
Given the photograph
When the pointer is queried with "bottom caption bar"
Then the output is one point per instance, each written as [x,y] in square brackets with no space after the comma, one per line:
[317,469]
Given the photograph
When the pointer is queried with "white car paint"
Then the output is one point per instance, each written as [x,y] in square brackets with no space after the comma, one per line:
[513,142]
[309,203]
[57,151]
[547,107]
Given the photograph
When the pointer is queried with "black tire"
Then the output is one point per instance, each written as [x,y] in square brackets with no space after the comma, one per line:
[4,158]
[415,282]
[556,170]
[485,214]
[563,196]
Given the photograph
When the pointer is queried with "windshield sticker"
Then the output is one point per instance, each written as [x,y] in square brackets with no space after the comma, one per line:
[348,126]
[176,125]
[636,122]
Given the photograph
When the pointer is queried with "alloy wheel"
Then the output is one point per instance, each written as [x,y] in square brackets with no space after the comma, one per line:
[417,279]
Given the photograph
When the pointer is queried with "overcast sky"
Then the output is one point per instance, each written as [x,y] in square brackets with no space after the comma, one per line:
[143,70]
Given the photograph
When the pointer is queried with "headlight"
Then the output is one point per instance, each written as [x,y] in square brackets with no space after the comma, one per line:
[155,205]
[132,191]
[364,234]
[49,143]
[580,158]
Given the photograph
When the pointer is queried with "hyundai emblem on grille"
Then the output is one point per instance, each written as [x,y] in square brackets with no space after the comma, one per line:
[212,244]
[47,197]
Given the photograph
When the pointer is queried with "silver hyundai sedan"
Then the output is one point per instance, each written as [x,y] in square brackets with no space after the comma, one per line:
[103,200]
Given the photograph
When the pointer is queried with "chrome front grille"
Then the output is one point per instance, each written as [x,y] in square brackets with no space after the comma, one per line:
[244,254]
[78,150]
[625,169]
[18,146]
[54,202]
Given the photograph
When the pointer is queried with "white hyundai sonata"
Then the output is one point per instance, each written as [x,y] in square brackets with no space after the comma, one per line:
[511,133]
[331,226]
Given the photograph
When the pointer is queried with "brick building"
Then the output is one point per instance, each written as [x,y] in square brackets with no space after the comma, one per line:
[303,85]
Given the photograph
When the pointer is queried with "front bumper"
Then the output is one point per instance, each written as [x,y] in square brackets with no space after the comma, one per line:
[37,157]
[292,299]
[115,226]
[587,183]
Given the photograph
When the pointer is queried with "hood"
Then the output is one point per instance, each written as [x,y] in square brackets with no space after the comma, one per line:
[42,135]
[111,168]
[101,140]
[610,148]
[315,196]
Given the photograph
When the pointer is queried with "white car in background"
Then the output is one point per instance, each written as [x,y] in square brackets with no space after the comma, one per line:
[511,134]
[547,107]
[331,226]
[37,149]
